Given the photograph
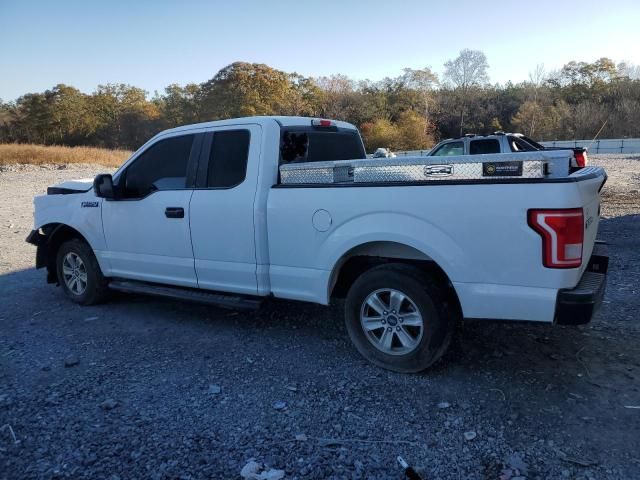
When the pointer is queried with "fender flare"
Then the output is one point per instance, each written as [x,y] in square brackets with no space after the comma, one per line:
[47,238]
[392,227]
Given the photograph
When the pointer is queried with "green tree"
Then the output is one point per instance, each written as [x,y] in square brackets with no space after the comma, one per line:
[423,82]
[180,105]
[70,118]
[124,116]
[466,73]
[524,120]
[576,100]
[32,117]
[245,89]
[415,132]
[380,134]
[305,100]
[339,98]
[7,114]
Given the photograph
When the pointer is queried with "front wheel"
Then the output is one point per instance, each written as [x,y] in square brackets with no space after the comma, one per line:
[79,273]
[398,318]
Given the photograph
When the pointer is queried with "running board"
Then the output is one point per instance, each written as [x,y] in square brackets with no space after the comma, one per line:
[236,302]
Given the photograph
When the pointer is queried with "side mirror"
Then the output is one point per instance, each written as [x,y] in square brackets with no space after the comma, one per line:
[103,186]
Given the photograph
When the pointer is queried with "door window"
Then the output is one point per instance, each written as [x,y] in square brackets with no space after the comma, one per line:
[163,166]
[480,147]
[228,158]
[449,149]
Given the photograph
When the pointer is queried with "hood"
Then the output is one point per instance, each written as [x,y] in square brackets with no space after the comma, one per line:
[71,186]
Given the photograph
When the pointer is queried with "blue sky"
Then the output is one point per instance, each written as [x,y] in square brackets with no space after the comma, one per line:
[152,44]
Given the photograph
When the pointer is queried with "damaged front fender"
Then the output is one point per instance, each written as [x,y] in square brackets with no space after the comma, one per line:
[37,238]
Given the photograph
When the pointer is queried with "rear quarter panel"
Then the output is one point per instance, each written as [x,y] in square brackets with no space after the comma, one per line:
[478,234]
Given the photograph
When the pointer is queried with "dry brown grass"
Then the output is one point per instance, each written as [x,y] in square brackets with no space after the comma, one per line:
[11,153]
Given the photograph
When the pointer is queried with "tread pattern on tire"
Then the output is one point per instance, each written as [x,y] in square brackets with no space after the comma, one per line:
[432,296]
[97,289]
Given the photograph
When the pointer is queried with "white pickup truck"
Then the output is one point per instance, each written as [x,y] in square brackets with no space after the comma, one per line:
[500,142]
[231,212]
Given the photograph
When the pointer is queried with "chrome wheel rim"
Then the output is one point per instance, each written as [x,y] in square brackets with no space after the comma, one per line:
[74,273]
[391,321]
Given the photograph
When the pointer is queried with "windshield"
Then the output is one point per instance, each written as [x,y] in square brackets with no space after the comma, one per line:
[449,149]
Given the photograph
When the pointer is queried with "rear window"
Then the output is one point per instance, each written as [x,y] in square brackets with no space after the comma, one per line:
[309,145]
[532,142]
[480,147]
[519,145]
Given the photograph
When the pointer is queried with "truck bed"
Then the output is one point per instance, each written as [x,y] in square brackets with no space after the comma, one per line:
[473,226]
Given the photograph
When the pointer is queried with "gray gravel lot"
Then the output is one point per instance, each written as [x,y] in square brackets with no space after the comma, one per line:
[148,388]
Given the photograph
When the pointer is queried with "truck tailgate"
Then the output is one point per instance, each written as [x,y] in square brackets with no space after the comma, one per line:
[591,181]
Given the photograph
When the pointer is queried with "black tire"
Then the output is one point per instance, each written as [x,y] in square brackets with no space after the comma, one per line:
[96,289]
[438,319]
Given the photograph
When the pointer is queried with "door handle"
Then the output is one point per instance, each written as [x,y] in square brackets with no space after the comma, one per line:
[174,212]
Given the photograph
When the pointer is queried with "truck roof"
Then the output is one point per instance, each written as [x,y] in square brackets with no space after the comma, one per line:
[284,121]
[488,135]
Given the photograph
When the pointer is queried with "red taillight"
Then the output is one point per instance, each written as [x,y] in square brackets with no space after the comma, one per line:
[562,233]
[581,158]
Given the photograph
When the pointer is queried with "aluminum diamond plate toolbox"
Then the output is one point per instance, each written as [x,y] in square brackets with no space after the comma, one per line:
[422,169]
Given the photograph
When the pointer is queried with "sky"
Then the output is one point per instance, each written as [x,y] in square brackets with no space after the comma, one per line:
[152,44]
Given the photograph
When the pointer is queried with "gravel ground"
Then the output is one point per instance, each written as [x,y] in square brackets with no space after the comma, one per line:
[147,388]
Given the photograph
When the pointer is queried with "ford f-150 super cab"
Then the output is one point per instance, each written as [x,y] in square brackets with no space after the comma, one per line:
[231,212]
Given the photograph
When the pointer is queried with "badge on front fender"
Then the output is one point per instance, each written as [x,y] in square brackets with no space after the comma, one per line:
[89,204]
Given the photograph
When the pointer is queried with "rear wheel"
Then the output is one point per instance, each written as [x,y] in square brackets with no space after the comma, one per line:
[79,273]
[398,318]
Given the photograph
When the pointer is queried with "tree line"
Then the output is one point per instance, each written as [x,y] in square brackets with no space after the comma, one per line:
[411,111]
